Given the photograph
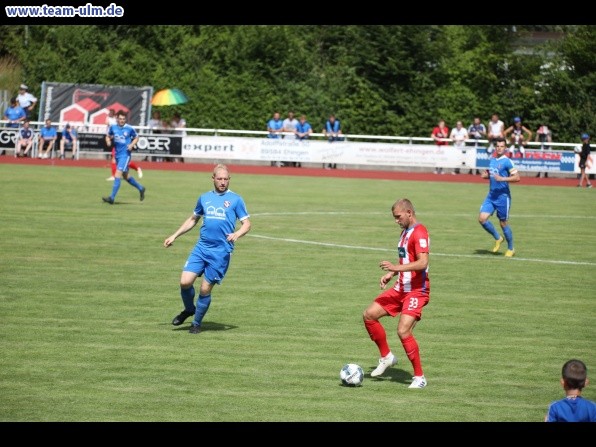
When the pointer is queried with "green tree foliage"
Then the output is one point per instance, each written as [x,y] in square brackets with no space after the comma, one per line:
[377,79]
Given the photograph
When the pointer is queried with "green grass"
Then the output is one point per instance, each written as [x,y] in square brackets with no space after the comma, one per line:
[87,294]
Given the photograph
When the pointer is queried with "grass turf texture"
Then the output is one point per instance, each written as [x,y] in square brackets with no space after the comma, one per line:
[87,294]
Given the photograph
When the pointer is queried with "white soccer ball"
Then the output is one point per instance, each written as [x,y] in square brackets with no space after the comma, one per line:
[351,375]
[577,149]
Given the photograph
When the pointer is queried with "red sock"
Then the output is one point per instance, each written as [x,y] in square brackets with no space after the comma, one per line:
[413,353]
[113,166]
[133,165]
[378,335]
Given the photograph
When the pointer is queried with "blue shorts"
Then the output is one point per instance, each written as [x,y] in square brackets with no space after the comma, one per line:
[501,205]
[122,162]
[211,263]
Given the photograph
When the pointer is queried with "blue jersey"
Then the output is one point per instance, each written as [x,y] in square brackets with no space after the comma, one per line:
[303,128]
[121,138]
[274,125]
[333,127]
[47,133]
[576,409]
[504,167]
[13,114]
[220,213]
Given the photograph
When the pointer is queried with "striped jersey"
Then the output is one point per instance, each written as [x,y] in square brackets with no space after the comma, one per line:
[412,241]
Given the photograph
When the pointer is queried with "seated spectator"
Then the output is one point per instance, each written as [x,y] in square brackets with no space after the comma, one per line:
[544,136]
[332,131]
[47,139]
[518,135]
[69,141]
[14,114]
[25,140]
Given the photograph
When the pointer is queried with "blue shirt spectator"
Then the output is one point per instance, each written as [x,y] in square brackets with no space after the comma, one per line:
[275,126]
[303,128]
[15,114]
[333,129]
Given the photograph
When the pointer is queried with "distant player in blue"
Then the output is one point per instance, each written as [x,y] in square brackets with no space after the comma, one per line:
[573,408]
[501,172]
[123,138]
[220,210]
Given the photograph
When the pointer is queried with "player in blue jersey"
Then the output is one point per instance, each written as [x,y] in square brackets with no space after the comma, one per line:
[123,138]
[573,408]
[501,172]
[210,258]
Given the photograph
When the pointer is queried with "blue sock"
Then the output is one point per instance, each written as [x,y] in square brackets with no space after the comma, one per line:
[134,183]
[489,227]
[116,187]
[508,236]
[188,297]
[202,305]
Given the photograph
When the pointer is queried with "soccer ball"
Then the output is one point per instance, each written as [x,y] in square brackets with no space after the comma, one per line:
[577,149]
[351,375]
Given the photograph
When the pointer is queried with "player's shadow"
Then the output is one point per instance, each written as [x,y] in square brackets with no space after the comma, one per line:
[487,252]
[393,374]
[209,326]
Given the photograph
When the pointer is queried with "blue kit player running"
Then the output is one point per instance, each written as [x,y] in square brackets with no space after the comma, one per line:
[123,138]
[220,209]
[501,172]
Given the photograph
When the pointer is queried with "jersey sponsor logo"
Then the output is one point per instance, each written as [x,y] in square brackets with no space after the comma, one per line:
[401,251]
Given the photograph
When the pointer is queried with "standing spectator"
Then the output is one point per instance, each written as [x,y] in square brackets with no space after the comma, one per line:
[303,128]
[47,139]
[275,127]
[501,172]
[572,408]
[518,135]
[156,126]
[179,125]
[496,129]
[26,100]
[439,133]
[544,136]
[289,125]
[14,114]
[69,141]
[583,160]
[125,139]
[210,258]
[410,293]
[476,131]
[333,132]
[459,135]
[25,140]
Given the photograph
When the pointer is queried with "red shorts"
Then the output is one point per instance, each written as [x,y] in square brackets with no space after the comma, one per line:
[409,303]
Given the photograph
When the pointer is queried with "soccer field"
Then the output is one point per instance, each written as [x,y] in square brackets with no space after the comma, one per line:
[87,295]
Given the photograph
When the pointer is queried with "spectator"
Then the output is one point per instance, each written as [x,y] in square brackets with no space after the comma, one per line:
[47,139]
[14,114]
[476,131]
[333,133]
[69,141]
[544,136]
[518,135]
[26,100]
[179,125]
[289,125]
[156,126]
[25,140]
[459,135]
[440,132]
[496,129]
[573,408]
[275,127]
[303,128]
[584,154]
